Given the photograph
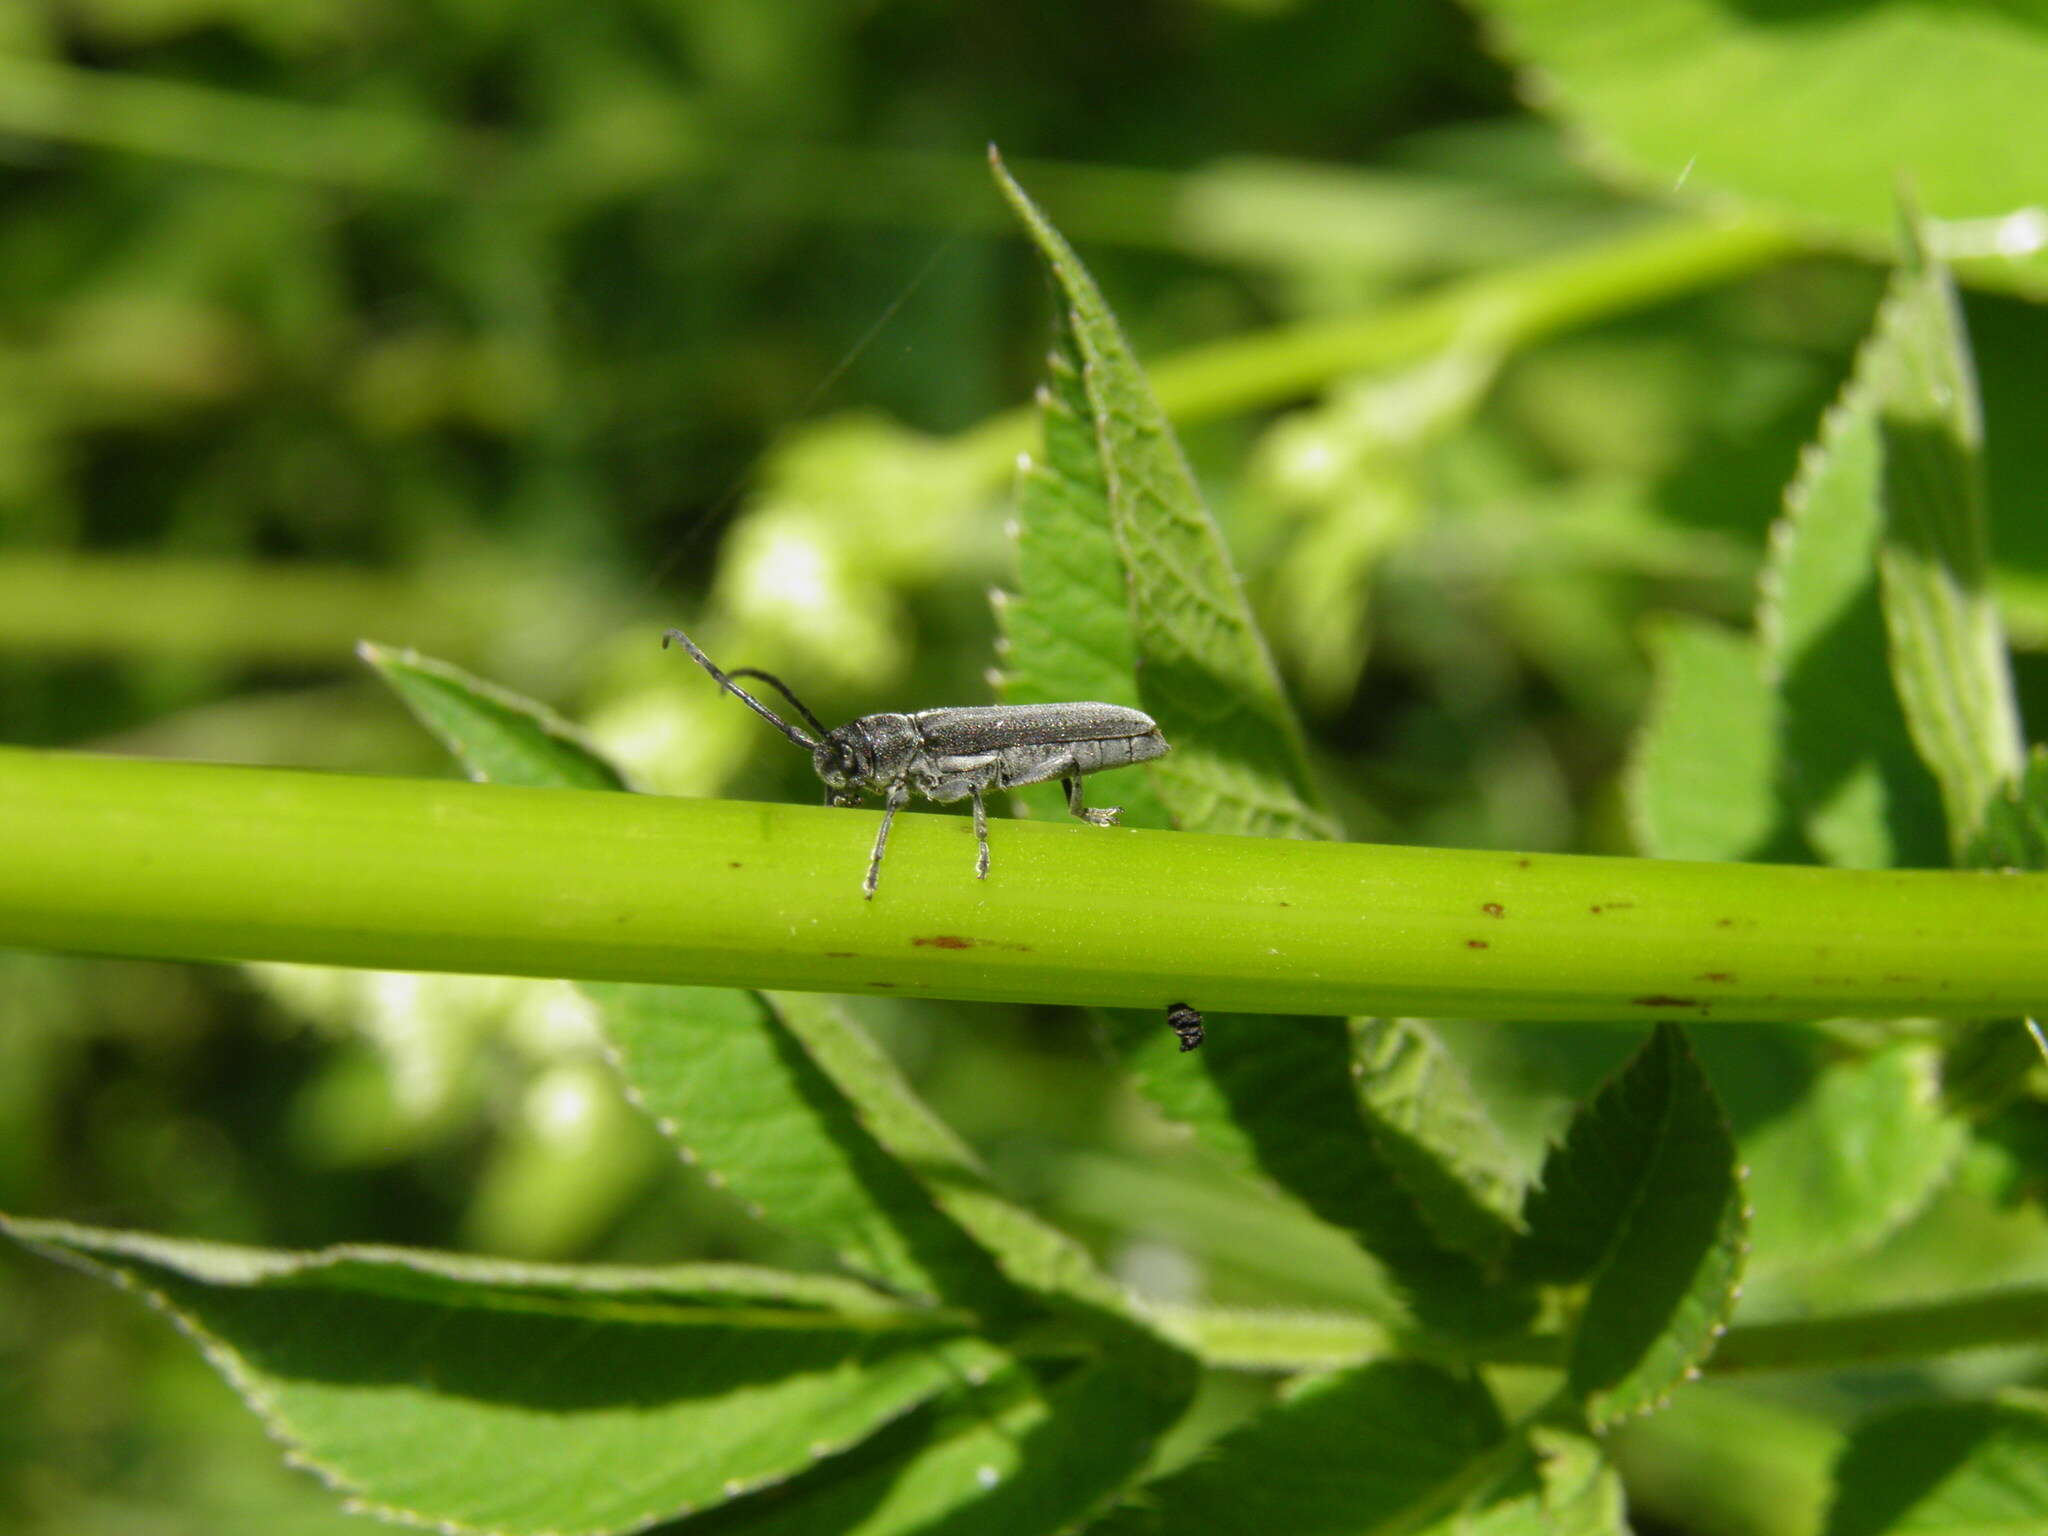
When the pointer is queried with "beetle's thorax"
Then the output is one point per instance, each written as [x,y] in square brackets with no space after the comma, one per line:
[870,753]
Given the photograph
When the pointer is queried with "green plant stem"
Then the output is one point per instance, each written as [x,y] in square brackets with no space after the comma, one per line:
[119,856]
[1997,1319]
[1503,310]
[2009,1319]
[1275,1341]
[1279,1342]
[158,605]
[230,130]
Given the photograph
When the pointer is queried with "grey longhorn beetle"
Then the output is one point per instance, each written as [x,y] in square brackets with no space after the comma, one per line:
[947,755]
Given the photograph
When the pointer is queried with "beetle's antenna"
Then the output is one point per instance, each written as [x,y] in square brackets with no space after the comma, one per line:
[783,688]
[740,693]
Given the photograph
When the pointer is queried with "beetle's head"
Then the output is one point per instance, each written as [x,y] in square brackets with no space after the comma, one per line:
[842,761]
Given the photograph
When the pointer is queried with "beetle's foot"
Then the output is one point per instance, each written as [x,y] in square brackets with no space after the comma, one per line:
[1102,815]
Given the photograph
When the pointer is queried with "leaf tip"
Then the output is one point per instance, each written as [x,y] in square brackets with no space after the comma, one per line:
[1001,171]
[1914,253]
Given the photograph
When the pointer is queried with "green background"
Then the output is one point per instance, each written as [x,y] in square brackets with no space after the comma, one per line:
[517,332]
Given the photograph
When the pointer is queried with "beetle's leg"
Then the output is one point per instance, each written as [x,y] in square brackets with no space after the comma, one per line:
[980,835]
[967,786]
[1101,816]
[899,796]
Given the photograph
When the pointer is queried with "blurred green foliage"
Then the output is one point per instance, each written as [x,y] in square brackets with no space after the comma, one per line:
[510,332]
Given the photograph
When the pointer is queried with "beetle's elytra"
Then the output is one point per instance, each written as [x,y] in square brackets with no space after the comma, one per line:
[947,755]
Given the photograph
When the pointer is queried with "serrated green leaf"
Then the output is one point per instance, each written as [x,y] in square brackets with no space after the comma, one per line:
[1389,1446]
[1643,1200]
[1773,106]
[1018,1458]
[795,1111]
[719,1071]
[1028,1251]
[1948,1468]
[1864,797]
[1703,778]
[2015,834]
[1986,1065]
[1432,1127]
[1066,632]
[1275,1099]
[1562,1486]
[1203,671]
[1948,648]
[484,1396]
[1841,1149]
[1113,545]
[733,1087]
[786,1104]
[1884,543]
[1582,1493]
[497,736]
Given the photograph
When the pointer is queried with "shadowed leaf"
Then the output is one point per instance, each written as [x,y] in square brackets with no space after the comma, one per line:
[1390,1446]
[1642,1202]
[480,1395]
[1703,780]
[1980,1468]
[1948,647]
[1202,668]
[497,736]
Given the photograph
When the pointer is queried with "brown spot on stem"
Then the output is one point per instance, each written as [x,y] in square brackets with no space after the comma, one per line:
[1661,1000]
[1721,976]
[1476,944]
[1493,909]
[943,941]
